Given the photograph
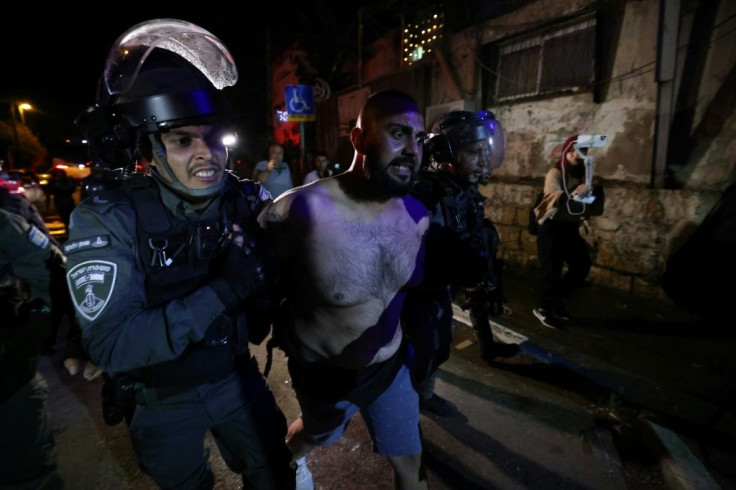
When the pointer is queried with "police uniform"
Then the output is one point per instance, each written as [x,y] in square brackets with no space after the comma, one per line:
[168,279]
[460,249]
[27,457]
[147,310]
[461,246]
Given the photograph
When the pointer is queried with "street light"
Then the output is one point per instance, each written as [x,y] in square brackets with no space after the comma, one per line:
[22,107]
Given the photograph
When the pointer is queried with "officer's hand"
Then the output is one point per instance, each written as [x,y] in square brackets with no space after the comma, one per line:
[90,372]
[241,272]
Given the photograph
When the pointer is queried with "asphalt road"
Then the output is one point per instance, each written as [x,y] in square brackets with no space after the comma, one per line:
[526,423]
[513,434]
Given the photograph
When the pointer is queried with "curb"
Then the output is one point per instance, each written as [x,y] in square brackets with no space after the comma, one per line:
[680,468]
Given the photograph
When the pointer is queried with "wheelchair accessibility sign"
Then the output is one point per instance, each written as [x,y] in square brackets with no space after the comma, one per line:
[300,102]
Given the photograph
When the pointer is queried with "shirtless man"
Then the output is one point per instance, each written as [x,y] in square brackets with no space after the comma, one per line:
[350,246]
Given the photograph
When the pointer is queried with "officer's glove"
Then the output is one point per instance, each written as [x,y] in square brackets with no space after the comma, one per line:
[241,274]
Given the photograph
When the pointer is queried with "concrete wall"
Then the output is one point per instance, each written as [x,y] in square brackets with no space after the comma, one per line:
[641,226]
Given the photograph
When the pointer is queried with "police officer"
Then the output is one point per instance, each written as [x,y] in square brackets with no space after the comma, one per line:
[27,458]
[166,273]
[462,151]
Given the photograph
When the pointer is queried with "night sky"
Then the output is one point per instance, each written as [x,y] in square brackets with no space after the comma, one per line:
[53,58]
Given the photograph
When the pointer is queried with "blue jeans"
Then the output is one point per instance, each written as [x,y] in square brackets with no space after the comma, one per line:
[392,419]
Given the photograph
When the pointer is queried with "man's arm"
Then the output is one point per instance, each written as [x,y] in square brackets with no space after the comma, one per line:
[262,171]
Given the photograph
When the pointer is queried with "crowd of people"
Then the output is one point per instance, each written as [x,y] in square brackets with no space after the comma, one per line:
[352,275]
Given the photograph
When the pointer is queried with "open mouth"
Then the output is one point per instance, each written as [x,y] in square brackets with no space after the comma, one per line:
[205,174]
[401,170]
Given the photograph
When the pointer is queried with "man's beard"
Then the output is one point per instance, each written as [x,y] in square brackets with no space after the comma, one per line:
[385,183]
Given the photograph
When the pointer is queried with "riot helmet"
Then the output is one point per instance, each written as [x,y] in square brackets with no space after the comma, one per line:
[160,74]
[451,131]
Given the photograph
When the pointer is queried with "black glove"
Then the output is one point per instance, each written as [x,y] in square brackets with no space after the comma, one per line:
[242,273]
[118,399]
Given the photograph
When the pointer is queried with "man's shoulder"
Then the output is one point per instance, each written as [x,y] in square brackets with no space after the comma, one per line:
[416,208]
[248,188]
[11,221]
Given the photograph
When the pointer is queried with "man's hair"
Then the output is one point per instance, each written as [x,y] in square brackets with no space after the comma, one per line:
[383,104]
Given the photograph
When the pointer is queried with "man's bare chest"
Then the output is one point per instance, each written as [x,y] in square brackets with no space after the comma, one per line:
[354,259]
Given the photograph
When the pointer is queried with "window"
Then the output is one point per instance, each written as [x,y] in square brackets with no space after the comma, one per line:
[557,60]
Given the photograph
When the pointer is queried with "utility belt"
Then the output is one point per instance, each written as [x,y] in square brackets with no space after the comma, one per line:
[207,361]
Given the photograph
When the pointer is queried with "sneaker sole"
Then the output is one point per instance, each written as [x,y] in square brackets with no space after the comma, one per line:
[542,320]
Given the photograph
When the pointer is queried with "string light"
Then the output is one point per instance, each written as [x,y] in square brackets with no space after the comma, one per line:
[421,35]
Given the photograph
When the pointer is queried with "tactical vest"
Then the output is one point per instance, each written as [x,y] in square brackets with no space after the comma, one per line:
[463,211]
[180,256]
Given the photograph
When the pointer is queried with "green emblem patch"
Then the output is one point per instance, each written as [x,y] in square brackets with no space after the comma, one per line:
[91,284]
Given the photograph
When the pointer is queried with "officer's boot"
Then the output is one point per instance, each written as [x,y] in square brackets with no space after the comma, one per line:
[489,348]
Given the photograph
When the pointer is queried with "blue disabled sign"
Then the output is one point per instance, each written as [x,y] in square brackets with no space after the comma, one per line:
[300,102]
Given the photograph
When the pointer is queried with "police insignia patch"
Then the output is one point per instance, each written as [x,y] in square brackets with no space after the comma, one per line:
[91,285]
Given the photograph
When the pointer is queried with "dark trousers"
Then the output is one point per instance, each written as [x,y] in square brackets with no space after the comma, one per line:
[241,414]
[427,320]
[482,328]
[27,452]
[559,243]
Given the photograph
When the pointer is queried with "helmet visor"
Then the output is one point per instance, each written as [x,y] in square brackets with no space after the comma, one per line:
[195,44]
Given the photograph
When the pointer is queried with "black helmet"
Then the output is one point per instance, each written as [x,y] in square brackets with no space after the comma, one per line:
[451,131]
[159,74]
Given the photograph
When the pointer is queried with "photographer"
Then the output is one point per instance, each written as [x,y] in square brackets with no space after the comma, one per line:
[167,275]
[568,200]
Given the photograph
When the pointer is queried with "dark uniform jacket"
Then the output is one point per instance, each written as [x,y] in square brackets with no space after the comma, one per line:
[143,299]
[25,280]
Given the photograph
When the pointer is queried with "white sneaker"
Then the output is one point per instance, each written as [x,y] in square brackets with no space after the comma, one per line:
[303,475]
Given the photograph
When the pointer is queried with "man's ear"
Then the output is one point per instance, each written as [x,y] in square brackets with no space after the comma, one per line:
[357,137]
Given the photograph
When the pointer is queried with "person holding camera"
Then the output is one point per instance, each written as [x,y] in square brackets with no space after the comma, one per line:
[169,279]
[568,199]
[274,173]
[463,150]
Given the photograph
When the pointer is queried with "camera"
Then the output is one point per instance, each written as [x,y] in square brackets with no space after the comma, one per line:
[591,141]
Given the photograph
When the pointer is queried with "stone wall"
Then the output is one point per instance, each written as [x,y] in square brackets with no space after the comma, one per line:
[630,243]
[641,225]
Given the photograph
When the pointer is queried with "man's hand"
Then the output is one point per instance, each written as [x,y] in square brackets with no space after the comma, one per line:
[272,164]
[90,371]
[582,190]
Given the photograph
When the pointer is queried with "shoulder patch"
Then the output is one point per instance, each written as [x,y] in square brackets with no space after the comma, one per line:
[38,238]
[91,285]
[99,241]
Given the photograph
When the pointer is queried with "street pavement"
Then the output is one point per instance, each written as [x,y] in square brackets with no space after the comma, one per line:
[634,394]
